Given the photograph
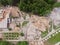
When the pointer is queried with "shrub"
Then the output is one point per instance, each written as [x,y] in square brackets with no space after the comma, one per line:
[10,29]
[17,25]
[22,34]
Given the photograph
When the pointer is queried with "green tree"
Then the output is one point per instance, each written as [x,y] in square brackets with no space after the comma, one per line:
[40,7]
[3,2]
[9,2]
[6,2]
[51,2]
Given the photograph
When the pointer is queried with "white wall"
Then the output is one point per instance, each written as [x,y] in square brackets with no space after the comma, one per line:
[3,23]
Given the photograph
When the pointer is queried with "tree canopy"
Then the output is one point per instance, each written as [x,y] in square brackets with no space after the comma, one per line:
[40,7]
[9,2]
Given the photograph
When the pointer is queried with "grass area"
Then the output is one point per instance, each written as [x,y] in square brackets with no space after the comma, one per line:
[54,39]
[5,43]
[23,43]
[44,33]
[18,43]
